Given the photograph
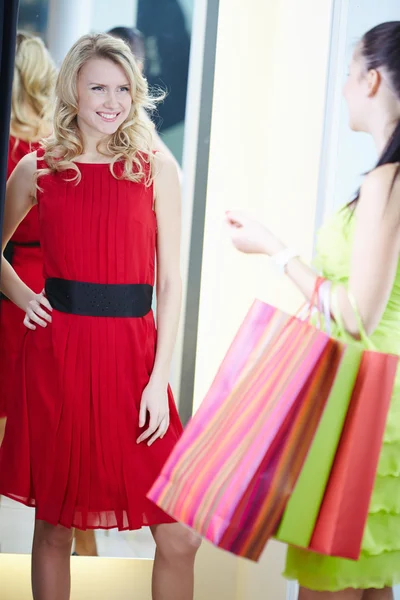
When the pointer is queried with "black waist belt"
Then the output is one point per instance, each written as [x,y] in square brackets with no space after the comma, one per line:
[99,299]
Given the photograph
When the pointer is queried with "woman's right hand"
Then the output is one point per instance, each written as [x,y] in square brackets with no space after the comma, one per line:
[250,236]
[35,313]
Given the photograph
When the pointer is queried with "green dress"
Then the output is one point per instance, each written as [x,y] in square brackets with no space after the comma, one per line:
[379,564]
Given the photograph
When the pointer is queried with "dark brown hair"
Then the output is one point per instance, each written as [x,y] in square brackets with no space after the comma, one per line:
[380,48]
[134,38]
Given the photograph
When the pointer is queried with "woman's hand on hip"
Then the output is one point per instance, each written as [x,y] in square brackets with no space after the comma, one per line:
[36,313]
[155,402]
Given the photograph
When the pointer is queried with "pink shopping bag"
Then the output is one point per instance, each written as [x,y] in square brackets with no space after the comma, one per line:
[251,403]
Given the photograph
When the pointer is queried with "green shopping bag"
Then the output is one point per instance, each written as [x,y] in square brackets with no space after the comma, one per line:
[298,521]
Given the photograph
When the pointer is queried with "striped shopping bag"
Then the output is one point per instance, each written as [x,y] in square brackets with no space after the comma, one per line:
[260,510]
[263,417]
[328,508]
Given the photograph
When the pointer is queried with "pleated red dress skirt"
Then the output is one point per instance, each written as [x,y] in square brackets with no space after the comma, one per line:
[70,444]
[27,261]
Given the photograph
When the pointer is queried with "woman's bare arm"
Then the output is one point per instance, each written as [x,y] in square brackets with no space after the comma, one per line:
[375,253]
[169,287]
[19,201]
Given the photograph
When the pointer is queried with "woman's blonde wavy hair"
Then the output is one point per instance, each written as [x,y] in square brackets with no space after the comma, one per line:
[32,97]
[132,143]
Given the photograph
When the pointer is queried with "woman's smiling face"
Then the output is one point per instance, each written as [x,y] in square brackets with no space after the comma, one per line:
[104,97]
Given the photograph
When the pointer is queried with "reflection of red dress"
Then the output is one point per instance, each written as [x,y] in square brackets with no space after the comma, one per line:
[28,263]
[70,444]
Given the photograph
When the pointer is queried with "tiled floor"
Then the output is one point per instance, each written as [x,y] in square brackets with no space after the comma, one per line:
[16,529]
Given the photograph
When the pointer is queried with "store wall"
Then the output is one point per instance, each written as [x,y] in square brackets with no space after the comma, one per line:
[266,137]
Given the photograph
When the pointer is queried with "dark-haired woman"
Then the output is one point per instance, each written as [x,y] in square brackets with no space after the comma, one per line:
[359,250]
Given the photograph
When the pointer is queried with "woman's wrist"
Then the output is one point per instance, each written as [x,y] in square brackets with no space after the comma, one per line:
[275,247]
[160,374]
[19,297]
[23,296]
[23,304]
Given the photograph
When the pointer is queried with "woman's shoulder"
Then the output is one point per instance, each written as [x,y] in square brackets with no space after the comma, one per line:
[27,166]
[381,178]
[21,182]
[164,164]
[380,191]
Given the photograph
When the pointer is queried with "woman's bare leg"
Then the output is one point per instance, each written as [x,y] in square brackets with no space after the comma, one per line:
[173,571]
[2,430]
[385,594]
[85,542]
[3,421]
[51,552]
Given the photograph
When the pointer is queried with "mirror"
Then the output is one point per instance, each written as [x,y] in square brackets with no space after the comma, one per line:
[165,28]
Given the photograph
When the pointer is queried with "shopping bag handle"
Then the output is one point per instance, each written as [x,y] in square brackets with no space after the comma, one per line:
[306,310]
[339,320]
[324,297]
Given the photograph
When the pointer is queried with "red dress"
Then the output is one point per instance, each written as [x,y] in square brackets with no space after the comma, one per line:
[28,262]
[70,443]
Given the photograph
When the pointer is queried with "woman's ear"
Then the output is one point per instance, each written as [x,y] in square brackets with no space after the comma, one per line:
[373,81]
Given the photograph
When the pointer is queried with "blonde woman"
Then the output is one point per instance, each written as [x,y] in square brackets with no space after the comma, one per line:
[96,418]
[32,102]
